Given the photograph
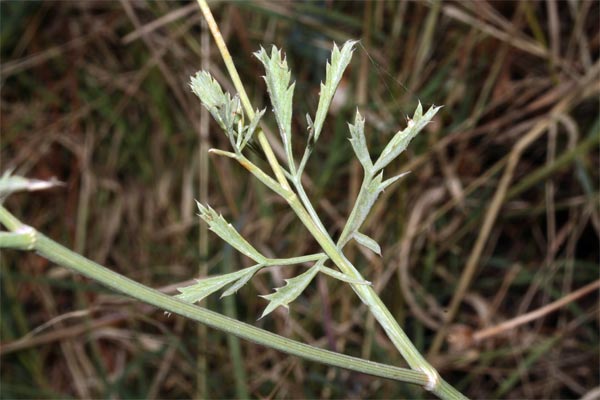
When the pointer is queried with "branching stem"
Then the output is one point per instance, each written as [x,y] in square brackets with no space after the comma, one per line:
[306,213]
[60,255]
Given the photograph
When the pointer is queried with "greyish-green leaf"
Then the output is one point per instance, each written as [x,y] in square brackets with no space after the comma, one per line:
[367,242]
[384,185]
[225,231]
[210,94]
[333,75]
[233,118]
[205,287]
[242,280]
[366,197]
[359,142]
[277,78]
[288,293]
[402,138]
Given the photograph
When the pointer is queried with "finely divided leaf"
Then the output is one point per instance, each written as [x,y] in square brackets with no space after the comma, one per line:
[402,138]
[359,143]
[243,279]
[204,287]
[333,75]
[368,242]
[364,202]
[211,95]
[225,231]
[233,120]
[281,92]
[288,293]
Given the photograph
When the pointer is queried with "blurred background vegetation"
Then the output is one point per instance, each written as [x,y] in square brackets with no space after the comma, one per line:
[498,219]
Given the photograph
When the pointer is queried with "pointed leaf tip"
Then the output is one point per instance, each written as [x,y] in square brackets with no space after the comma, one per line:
[367,242]
[228,233]
[384,185]
[334,69]
[281,92]
[206,286]
[359,142]
[284,295]
[402,138]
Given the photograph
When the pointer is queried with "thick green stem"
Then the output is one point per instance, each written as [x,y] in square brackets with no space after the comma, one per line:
[54,252]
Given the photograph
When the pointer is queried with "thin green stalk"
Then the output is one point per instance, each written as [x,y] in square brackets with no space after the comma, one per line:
[237,83]
[59,254]
[385,318]
[18,241]
[295,260]
[308,205]
[365,292]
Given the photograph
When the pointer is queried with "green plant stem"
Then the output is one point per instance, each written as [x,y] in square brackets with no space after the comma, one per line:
[237,83]
[381,313]
[294,260]
[312,222]
[19,241]
[59,254]
[365,292]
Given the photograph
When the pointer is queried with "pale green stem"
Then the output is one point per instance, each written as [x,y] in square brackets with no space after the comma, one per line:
[237,83]
[305,157]
[365,292]
[294,260]
[16,240]
[313,224]
[369,297]
[60,255]
[308,205]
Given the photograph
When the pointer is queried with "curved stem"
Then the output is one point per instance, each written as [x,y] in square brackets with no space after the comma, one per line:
[59,254]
